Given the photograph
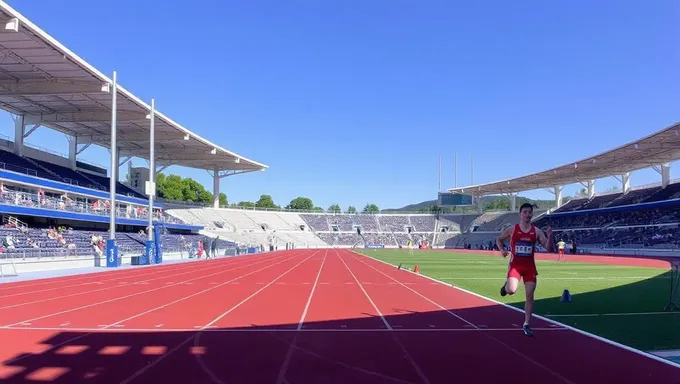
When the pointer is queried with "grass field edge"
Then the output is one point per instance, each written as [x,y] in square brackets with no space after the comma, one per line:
[577,330]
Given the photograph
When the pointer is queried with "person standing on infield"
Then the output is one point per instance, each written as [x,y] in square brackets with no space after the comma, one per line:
[523,238]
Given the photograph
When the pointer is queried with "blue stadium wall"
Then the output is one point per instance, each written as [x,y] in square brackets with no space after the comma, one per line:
[37,182]
[56,214]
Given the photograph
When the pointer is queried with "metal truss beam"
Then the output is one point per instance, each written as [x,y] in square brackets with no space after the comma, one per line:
[55,87]
[138,137]
[85,117]
[223,174]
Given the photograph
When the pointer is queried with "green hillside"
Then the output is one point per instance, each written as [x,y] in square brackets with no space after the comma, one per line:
[491,203]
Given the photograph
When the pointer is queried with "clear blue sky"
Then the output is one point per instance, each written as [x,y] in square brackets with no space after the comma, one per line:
[351,102]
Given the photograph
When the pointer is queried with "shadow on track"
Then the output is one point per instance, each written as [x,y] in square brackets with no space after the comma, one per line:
[332,351]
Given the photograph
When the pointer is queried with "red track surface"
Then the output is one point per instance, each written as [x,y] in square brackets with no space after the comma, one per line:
[304,316]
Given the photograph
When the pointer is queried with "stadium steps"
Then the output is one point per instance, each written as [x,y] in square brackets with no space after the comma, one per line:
[48,171]
[94,183]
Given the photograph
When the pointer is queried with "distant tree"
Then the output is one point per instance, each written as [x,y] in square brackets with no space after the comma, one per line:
[174,187]
[266,201]
[246,204]
[351,209]
[317,209]
[194,191]
[301,203]
[371,208]
[334,208]
[223,200]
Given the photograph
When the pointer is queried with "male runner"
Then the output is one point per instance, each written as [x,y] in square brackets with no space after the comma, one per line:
[523,238]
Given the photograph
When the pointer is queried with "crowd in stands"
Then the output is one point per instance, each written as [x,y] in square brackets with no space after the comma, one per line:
[616,199]
[358,230]
[62,201]
[644,216]
[627,226]
[471,231]
[63,241]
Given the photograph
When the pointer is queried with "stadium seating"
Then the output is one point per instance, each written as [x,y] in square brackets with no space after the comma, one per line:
[591,222]
[11,195]
[252,227]
[38,243]
[45,170]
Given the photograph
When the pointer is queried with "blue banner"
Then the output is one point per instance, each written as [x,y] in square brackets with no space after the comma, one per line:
[158,243]
[374,246]
[111,254]
[149,251]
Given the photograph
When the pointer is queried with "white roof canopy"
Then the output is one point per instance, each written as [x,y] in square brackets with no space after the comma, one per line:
[50,85]
[658,148]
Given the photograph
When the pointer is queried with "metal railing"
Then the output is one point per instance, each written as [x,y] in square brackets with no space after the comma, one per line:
[80,205]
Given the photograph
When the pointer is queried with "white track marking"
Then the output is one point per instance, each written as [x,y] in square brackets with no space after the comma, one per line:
[196,293]
[419,294]
[518,353]
[66,278]
[121,284]
[128,296]
[277,330]
[96,275]
[281,379]
[311,294]
[579,331]
[387,324]
[107,327]
[203,329]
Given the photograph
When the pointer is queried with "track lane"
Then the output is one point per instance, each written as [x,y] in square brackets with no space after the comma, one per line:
[402,308]
[74,349]
[469,308]
[227,360]
[339,302]
[361,357]
[117,315]
[282,304]
[195,311]
[61,305]
[24,298]
[550,354]
[9,288]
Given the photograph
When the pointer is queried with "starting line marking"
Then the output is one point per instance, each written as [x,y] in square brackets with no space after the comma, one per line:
[246,330]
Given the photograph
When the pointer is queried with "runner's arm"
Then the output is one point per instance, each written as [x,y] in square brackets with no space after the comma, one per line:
[504,236]
[546,241]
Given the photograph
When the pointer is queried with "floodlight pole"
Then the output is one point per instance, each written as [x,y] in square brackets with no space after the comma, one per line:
[114,160]
[152,167]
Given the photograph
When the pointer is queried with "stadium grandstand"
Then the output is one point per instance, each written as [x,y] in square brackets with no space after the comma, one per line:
[56,209]
[640,220]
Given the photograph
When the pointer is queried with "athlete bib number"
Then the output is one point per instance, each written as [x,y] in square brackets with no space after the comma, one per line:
[524,249]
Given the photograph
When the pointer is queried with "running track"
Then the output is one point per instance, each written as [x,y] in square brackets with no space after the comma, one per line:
[293,317]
